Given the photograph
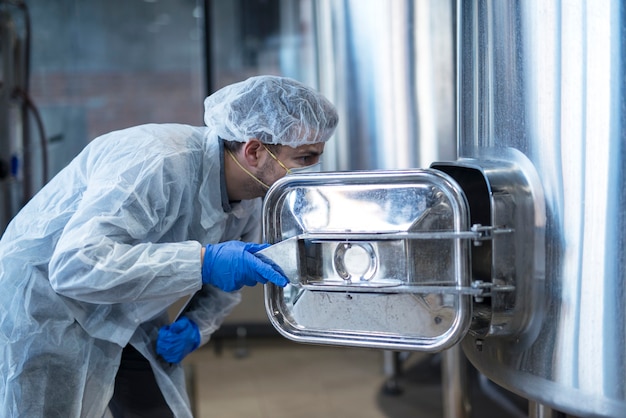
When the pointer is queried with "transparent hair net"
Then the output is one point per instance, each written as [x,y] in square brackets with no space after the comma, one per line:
[275,110]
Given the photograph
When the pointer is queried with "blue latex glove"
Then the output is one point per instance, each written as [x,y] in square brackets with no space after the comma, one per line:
[232,265]
[177,340]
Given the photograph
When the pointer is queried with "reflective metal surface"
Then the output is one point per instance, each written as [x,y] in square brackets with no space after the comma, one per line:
[506,200]
[377,259]
[407,233]
[548,79]
[389,68]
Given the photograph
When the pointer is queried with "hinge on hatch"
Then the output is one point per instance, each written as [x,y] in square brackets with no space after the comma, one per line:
[487,288]
[484,233]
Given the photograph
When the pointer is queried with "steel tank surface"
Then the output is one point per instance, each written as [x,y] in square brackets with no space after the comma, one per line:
[389,68]
[548,80]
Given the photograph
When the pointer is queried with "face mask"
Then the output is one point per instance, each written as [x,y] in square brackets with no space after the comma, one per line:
[313,168]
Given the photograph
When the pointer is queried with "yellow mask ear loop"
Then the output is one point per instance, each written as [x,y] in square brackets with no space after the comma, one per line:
[247,172]
[288,170]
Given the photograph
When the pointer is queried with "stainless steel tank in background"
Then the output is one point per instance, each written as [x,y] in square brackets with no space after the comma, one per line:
[389,67]
[548,80]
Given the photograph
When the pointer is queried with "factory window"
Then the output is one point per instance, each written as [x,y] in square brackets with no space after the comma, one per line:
[95,67]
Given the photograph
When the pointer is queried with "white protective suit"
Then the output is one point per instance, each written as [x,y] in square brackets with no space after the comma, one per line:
[94,260]
[108,243]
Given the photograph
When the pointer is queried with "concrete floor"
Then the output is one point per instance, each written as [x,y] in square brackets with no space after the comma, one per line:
[277,378]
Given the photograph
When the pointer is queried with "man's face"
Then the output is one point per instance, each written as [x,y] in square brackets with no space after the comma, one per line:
[302,156]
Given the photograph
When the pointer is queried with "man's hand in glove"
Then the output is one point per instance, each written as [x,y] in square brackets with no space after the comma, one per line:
[232,265]
[177,340]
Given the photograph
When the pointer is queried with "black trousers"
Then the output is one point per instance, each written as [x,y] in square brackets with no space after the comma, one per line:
[137,393]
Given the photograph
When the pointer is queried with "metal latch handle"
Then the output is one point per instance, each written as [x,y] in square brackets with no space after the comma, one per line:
[477,232]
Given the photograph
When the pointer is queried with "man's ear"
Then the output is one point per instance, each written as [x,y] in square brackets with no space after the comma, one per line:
[252,151]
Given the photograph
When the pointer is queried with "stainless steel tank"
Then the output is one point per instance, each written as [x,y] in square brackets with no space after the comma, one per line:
[521,237]
[389,67]
[548,80]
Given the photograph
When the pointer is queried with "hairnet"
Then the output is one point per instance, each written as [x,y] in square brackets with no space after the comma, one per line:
[275,110]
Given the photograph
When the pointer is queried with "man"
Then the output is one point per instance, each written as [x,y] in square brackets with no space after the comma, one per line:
[143,217]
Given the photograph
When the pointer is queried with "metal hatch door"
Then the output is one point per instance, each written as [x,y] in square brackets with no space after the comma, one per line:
[375,259]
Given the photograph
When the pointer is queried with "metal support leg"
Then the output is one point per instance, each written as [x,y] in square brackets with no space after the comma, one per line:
[391,369]
[537,410]
[456,403]
[242,343]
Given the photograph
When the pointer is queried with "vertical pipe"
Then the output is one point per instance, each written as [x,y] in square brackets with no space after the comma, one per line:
[208,47]
[12,183]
